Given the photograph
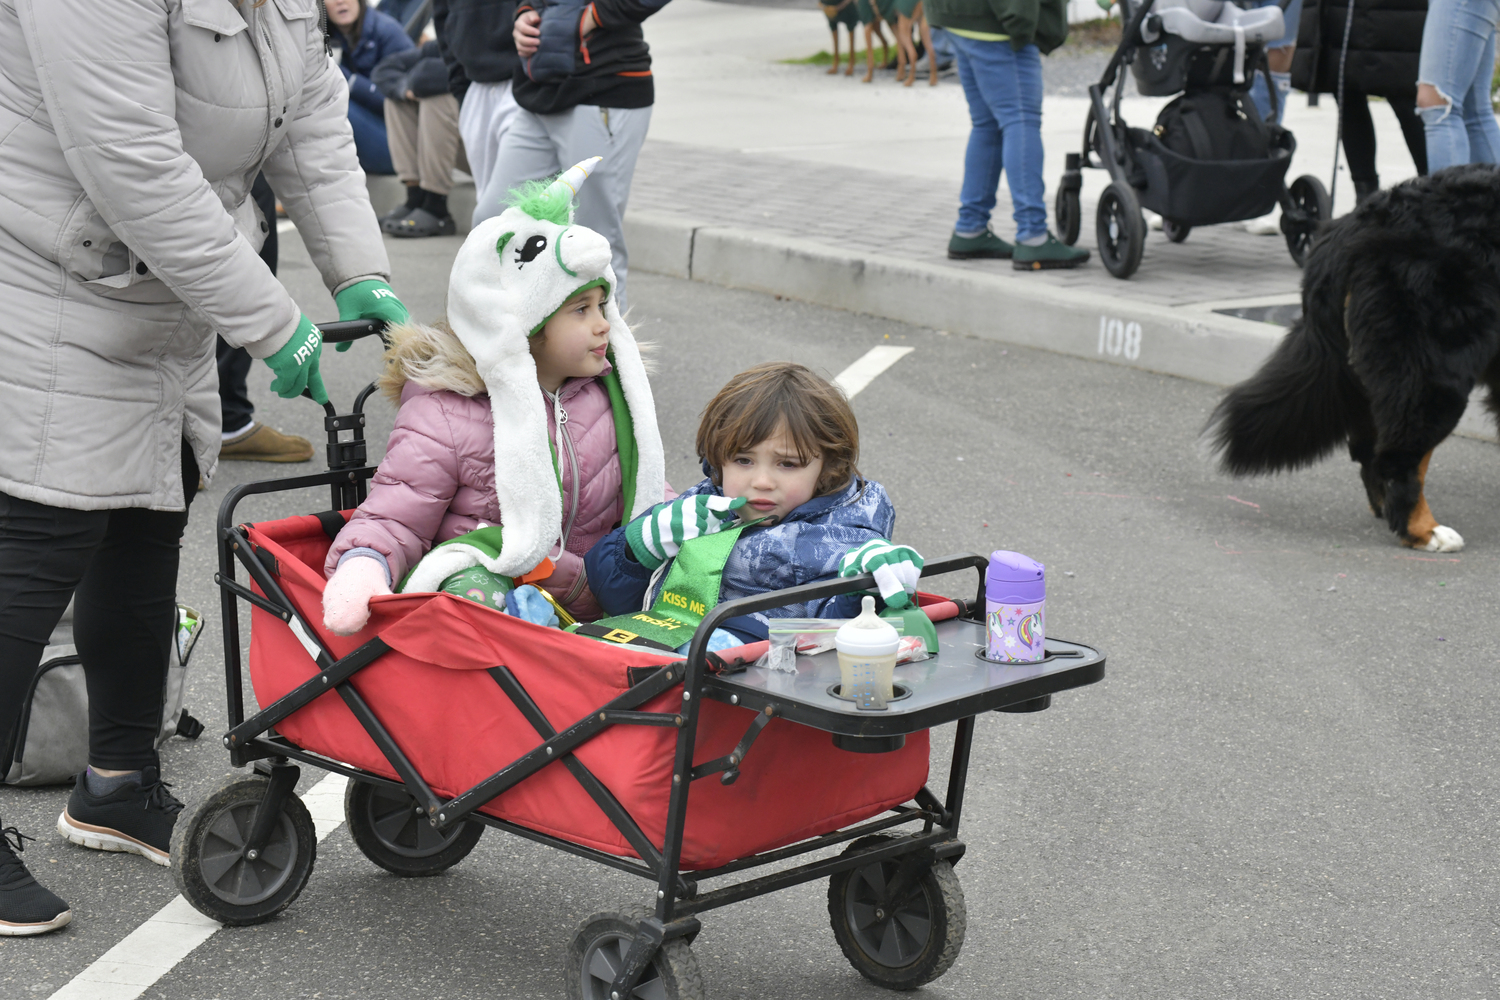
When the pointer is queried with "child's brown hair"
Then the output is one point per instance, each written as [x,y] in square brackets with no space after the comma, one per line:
[755,402]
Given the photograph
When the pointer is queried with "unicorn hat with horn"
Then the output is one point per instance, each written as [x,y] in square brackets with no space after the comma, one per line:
[513,273]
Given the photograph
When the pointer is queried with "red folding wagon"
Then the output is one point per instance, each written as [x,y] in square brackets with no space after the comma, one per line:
[450,717]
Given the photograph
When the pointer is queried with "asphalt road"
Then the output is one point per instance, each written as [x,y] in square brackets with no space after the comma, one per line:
[1286,785]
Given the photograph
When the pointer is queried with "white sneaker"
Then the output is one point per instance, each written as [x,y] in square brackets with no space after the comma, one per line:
[1153,221]
[1266,225]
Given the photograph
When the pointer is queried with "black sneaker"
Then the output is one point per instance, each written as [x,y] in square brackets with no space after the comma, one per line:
[137,819]
[25,907]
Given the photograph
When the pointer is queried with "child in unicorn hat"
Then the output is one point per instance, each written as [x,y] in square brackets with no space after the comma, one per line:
[526,427]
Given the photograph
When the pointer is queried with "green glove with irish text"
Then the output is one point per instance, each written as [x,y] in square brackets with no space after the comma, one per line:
[369,300]
[296,364]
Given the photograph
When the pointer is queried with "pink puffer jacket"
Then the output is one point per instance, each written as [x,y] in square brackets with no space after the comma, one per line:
[437,482]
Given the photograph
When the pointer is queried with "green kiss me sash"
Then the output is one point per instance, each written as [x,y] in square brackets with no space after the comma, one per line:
[690,591]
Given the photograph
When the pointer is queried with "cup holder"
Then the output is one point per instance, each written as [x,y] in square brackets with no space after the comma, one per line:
[900,691]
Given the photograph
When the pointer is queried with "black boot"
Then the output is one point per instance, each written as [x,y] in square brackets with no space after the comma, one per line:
[1363,190]
[25,907]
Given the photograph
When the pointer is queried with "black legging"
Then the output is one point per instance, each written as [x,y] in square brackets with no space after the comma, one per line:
[121,568]
[1359,132]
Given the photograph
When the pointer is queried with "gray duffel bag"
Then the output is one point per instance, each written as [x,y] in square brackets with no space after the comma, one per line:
[51,744]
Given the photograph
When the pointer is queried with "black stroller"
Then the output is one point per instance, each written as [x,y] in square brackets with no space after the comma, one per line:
[1210,158]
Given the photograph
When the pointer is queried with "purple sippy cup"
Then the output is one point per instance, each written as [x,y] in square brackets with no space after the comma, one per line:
[1015,594]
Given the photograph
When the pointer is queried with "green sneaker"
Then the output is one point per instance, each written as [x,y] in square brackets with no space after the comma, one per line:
[986,244]
[1052,254]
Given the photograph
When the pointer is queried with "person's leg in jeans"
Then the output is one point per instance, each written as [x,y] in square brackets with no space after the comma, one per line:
[370,143]
[1458,58]
[1479,112]
[983,159]
[1009,84]
[526,154]
[615,134]
[1279,58]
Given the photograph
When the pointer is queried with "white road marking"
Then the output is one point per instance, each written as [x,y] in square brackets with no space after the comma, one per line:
[150,951]
[876,360]
[285,226]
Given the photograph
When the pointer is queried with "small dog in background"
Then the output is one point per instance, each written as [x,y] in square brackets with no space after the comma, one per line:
[1400,321]
[909,14]
[844,13]
[871,19]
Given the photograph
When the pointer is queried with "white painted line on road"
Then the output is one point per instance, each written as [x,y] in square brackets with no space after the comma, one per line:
[285,226]
[150,951]
[876,360]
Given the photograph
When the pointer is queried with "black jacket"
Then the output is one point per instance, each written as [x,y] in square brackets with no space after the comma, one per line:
[1385,42]
[610,68]
[475,39]
[420,71]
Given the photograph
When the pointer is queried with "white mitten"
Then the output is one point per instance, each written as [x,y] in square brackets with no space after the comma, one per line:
[346,598]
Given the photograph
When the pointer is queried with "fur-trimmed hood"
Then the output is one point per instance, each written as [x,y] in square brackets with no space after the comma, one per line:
[430,355]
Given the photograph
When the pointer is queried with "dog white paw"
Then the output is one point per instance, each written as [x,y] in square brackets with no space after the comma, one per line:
[1444,539]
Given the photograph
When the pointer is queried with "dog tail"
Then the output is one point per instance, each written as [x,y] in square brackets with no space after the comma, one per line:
[1292,412]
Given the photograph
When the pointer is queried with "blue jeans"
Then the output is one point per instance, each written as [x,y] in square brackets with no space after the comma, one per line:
[369,140]
[1004,91]
[1458,58]
[1259,94]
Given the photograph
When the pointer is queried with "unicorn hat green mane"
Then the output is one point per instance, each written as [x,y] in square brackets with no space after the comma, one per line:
[512,274]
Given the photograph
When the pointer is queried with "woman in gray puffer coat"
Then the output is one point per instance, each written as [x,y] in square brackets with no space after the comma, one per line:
[130,134]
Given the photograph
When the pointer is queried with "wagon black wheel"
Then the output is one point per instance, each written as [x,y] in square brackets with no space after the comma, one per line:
[220,877]
[1175,231]
[598,950]
[1311,207]
[1068,215]
[897,943]
[392,831]
[1120,229]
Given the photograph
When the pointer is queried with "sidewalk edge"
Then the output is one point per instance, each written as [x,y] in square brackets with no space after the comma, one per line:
[1184,341]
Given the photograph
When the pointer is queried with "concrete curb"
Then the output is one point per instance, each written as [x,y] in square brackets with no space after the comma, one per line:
[1192,342]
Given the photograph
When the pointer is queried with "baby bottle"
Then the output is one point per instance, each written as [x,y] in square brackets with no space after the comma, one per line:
[867,654]
[1015,594]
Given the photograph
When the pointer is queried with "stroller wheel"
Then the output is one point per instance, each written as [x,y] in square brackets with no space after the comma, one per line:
[1120,229]
[899,944]
[1068,215]
[390,828]
[216,873]
[598,950]
[1175,231]
[1311,207]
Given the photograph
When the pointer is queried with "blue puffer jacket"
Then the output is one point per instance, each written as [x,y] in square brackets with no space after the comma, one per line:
[804,548]
[379,36]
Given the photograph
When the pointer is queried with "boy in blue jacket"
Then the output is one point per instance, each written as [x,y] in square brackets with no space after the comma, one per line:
[779,445]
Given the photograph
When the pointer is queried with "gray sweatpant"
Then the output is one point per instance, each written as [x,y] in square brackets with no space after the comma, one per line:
[539,146]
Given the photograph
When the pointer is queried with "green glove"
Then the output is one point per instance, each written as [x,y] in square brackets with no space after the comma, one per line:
[658,534]
[369,300]
[296,364]
[896,567]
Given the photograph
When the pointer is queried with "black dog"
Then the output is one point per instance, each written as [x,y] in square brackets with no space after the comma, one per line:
[1400,320]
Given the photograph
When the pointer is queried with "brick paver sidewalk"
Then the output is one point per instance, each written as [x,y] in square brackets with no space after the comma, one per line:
[861,210]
